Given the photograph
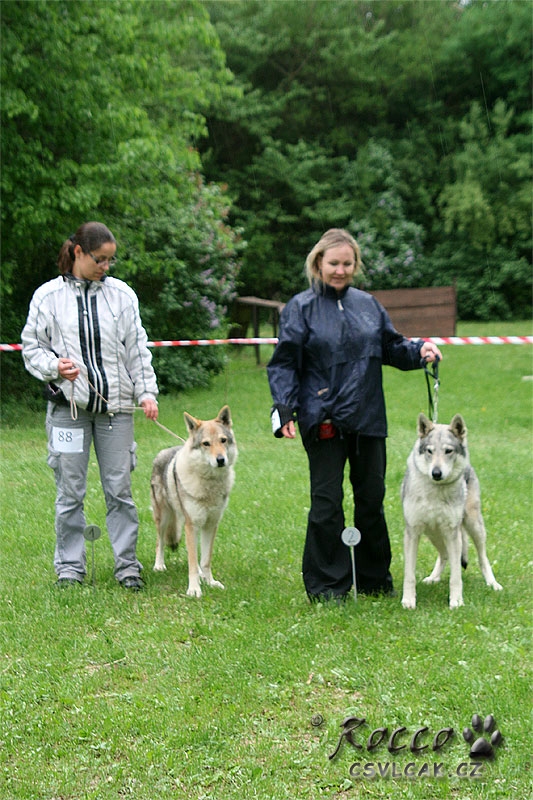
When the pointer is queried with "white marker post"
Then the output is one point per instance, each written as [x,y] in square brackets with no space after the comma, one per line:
[91,534]
[351,537]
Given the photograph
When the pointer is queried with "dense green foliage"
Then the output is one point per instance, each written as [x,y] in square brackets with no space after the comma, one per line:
[204,133]
[407,122]
[102,103]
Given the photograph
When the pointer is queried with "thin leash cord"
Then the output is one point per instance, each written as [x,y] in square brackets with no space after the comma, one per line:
[74,408]
[167,430]
[433,400]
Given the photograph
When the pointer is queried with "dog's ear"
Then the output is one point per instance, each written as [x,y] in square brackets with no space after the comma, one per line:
[458,427]
[191,423]
[424,425]
[224,416]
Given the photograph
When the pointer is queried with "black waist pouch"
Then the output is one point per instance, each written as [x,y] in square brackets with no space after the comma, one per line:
[54,394]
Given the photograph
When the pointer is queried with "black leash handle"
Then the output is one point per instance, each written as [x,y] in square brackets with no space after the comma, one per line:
[433,373]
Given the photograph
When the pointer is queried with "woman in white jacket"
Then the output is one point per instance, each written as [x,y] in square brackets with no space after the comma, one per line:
[84,338]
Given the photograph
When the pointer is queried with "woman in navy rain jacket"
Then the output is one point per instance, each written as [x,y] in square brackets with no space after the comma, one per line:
[326,372]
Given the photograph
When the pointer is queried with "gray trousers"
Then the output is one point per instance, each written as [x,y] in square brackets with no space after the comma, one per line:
[69,444]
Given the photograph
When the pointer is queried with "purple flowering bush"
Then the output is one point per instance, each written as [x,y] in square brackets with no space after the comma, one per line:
[183,263]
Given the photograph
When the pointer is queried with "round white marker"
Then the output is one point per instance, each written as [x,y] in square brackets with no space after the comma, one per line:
[351,537]
[92,533]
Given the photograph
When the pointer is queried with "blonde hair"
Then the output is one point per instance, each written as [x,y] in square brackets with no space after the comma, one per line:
[331,238]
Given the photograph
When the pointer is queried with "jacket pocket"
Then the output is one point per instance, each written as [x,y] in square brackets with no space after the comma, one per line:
[133,456]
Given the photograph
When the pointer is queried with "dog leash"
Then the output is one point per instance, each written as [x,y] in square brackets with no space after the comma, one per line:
[74,408]
[167,430]
[433,400]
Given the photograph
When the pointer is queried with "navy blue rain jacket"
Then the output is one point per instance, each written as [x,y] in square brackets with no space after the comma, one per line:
[328,360]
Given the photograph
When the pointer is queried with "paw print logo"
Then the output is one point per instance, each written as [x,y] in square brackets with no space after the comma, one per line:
[482,747]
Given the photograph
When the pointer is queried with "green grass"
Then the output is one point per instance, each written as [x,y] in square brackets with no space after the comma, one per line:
[108,695]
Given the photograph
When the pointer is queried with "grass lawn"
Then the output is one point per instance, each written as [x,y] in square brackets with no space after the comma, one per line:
[242,694]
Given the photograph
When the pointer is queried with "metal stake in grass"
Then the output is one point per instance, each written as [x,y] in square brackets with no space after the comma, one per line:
[351,537]
[91,534]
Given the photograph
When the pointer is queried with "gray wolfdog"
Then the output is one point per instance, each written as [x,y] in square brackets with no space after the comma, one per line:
[441,498]
[190,486]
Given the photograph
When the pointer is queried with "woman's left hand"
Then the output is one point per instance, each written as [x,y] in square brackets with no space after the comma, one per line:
[430,351]
[150,409]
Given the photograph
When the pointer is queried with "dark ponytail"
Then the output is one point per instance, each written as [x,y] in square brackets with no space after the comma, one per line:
[90,236]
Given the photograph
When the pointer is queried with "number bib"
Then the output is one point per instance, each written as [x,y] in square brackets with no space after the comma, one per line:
[67,440]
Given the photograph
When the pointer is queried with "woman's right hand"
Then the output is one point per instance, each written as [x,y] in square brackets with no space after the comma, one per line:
[68,369]
[289,430]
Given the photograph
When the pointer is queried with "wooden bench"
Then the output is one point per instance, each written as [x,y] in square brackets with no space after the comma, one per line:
[252,307]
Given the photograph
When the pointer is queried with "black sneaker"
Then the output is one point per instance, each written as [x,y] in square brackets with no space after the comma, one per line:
[62,583]
[133,582]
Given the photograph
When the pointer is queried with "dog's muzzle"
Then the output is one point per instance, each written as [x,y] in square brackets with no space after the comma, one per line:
[221,461]
[436,474]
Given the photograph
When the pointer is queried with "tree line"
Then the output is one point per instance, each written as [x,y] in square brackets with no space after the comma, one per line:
[406,121]
[218,140]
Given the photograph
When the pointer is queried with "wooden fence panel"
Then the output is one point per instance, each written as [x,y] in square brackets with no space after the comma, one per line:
[421,312]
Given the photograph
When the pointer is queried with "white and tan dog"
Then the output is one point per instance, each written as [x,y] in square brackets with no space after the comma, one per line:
[190,486]
[441,498]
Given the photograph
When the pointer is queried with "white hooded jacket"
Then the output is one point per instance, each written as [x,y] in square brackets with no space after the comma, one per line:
[96,324]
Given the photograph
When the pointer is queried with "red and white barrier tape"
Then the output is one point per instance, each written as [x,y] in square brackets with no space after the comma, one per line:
[481,340]
[192,342]
[460,340]
[174,343]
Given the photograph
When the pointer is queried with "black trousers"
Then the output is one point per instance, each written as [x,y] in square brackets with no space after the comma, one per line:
[326,564]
